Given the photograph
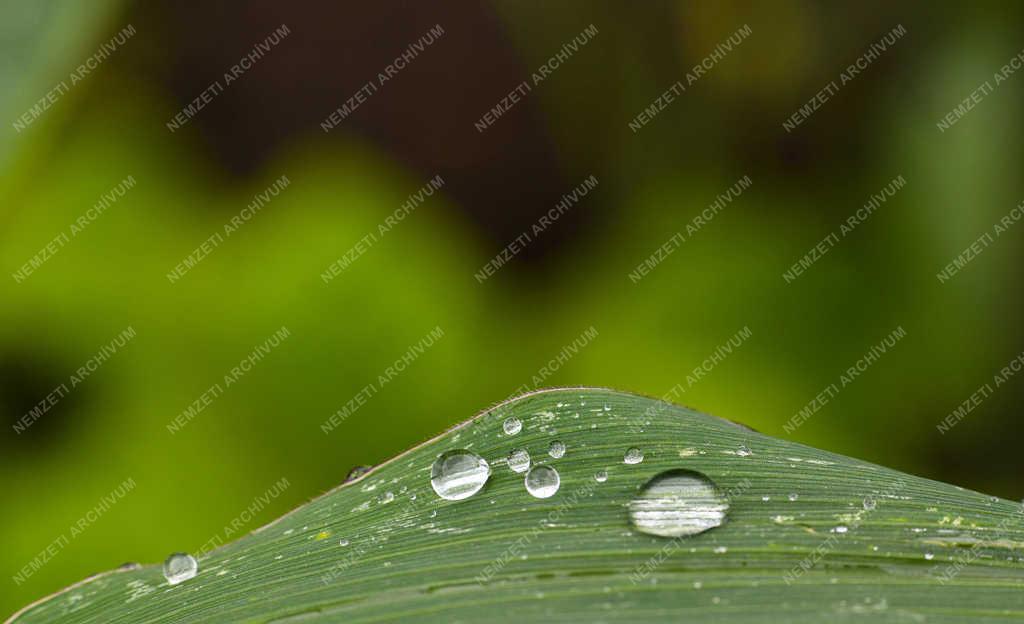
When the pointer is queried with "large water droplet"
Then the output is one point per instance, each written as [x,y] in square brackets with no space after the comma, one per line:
[633,456]
[180,567]
[512,425]
[459,474]
[519,460]
[556,449]
[542,481]
[676,503]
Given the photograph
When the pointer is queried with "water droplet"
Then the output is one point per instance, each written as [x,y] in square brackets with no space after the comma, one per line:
[180,567]
[357,472]
[556,449]
[601,476]
[519,460]
[721,550]
[386,498]
[744,451]
[459,474]
[677,503]
[841,529]
[633,456]
[929,556]
[512,425]
[343,542]
[870,504]
[793,496]
[766,498]
[542,481]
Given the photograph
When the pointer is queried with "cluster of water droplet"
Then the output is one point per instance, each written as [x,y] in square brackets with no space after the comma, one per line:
[674,503]
[459,474]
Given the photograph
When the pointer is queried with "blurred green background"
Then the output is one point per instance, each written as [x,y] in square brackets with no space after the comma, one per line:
[502,334]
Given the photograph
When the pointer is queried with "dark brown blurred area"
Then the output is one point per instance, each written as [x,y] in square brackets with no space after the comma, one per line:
[503,178]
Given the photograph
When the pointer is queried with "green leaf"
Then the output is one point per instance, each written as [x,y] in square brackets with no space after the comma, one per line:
[810,537]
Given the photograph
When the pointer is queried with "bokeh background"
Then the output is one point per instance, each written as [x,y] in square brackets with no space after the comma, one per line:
[499,335]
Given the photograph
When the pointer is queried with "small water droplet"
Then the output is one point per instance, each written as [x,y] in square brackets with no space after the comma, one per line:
[357,472]
[766,498]
[343,542]
[793,496]
[519,460]
[542,481]
[870,504]
[180,567]
[512,425]
[633,456]
[929,556]
[459,474]
[677,503]
[721,550]
[556,449]
[601,476]
[744,451]
[841,529]
[386,498]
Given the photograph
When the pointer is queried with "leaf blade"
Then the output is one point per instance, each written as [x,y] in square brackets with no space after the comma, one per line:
[573,557]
